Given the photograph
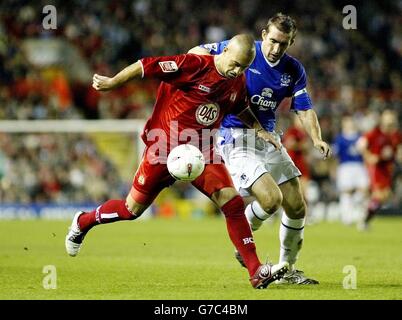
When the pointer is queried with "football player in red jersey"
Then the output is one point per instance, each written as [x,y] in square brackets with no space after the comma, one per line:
[195,93]
[379,147]
[296,142]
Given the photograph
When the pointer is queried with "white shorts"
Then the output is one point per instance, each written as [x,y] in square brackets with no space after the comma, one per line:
[352,175]
[249,157]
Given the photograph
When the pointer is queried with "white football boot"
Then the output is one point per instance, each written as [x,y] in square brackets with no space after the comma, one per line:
[74,236]
[296,277]
[268,273]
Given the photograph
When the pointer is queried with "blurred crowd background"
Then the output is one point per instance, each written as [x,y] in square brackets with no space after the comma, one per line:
[46,74]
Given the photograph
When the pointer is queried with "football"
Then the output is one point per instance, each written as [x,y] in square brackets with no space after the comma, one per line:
[185,162]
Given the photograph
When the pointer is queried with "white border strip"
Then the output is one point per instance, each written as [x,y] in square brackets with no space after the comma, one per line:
[133,125]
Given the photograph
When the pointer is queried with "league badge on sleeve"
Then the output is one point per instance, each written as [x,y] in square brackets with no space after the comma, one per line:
[212,47]
[168,66]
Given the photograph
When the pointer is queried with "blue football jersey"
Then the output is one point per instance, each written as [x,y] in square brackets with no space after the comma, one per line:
[345,148]
[268,84]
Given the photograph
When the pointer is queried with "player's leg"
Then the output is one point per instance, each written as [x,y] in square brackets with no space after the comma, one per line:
[268,199]
[380,192]
[346,206]
[251,178]
[285,174]
[361,195]
[279,171]
[379,196]
[215,182]
[352,192]
[232,206]
[108,212]
[291,231]
[148,182]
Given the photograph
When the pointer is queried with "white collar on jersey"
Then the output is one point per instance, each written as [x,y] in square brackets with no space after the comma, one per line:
[270,63]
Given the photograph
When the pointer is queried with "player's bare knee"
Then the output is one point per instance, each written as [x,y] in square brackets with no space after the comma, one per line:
[297,210]
[135,212]
[135,208]
[301,210]
[271,201]
[223,196]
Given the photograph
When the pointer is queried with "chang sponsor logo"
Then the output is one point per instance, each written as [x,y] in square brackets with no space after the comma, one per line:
[262,103]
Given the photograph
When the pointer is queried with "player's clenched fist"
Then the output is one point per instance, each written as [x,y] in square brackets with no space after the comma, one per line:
[269,137]
[324,148]
[102,83]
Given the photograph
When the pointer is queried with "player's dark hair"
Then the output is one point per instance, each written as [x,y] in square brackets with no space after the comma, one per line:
[284,23]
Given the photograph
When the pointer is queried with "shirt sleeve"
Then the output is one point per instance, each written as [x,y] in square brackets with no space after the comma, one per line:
[215,48]
[301,99]
[177,70]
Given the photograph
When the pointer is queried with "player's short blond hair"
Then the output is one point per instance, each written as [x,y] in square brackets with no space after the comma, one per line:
[284,23]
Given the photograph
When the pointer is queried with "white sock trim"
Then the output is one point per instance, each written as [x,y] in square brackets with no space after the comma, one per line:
[293,223]
[258,211]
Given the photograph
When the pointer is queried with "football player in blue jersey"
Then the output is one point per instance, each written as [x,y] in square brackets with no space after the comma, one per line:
[352,176]
[266,176]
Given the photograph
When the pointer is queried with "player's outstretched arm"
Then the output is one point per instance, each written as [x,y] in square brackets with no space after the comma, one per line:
[103,83]
[248,117]
[310,123]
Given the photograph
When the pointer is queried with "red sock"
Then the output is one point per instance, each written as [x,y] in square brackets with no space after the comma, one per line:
[373,207]
[240,233]
[110,211]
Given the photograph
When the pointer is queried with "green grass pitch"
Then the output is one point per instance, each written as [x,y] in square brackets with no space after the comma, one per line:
[193,259]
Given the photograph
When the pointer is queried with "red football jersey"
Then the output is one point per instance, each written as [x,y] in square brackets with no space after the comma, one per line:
[298,156]
[192,95]
[382,144]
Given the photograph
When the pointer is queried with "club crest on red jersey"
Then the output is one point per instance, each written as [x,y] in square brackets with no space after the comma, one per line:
[141,180]
[168,66]
[207,114]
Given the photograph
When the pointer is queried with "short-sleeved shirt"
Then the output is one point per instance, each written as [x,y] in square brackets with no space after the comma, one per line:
[268,84]
[192,95]
[383,145]
[380,142]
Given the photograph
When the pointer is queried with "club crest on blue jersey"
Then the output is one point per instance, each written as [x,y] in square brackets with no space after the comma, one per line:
[286,79]
[267,92]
